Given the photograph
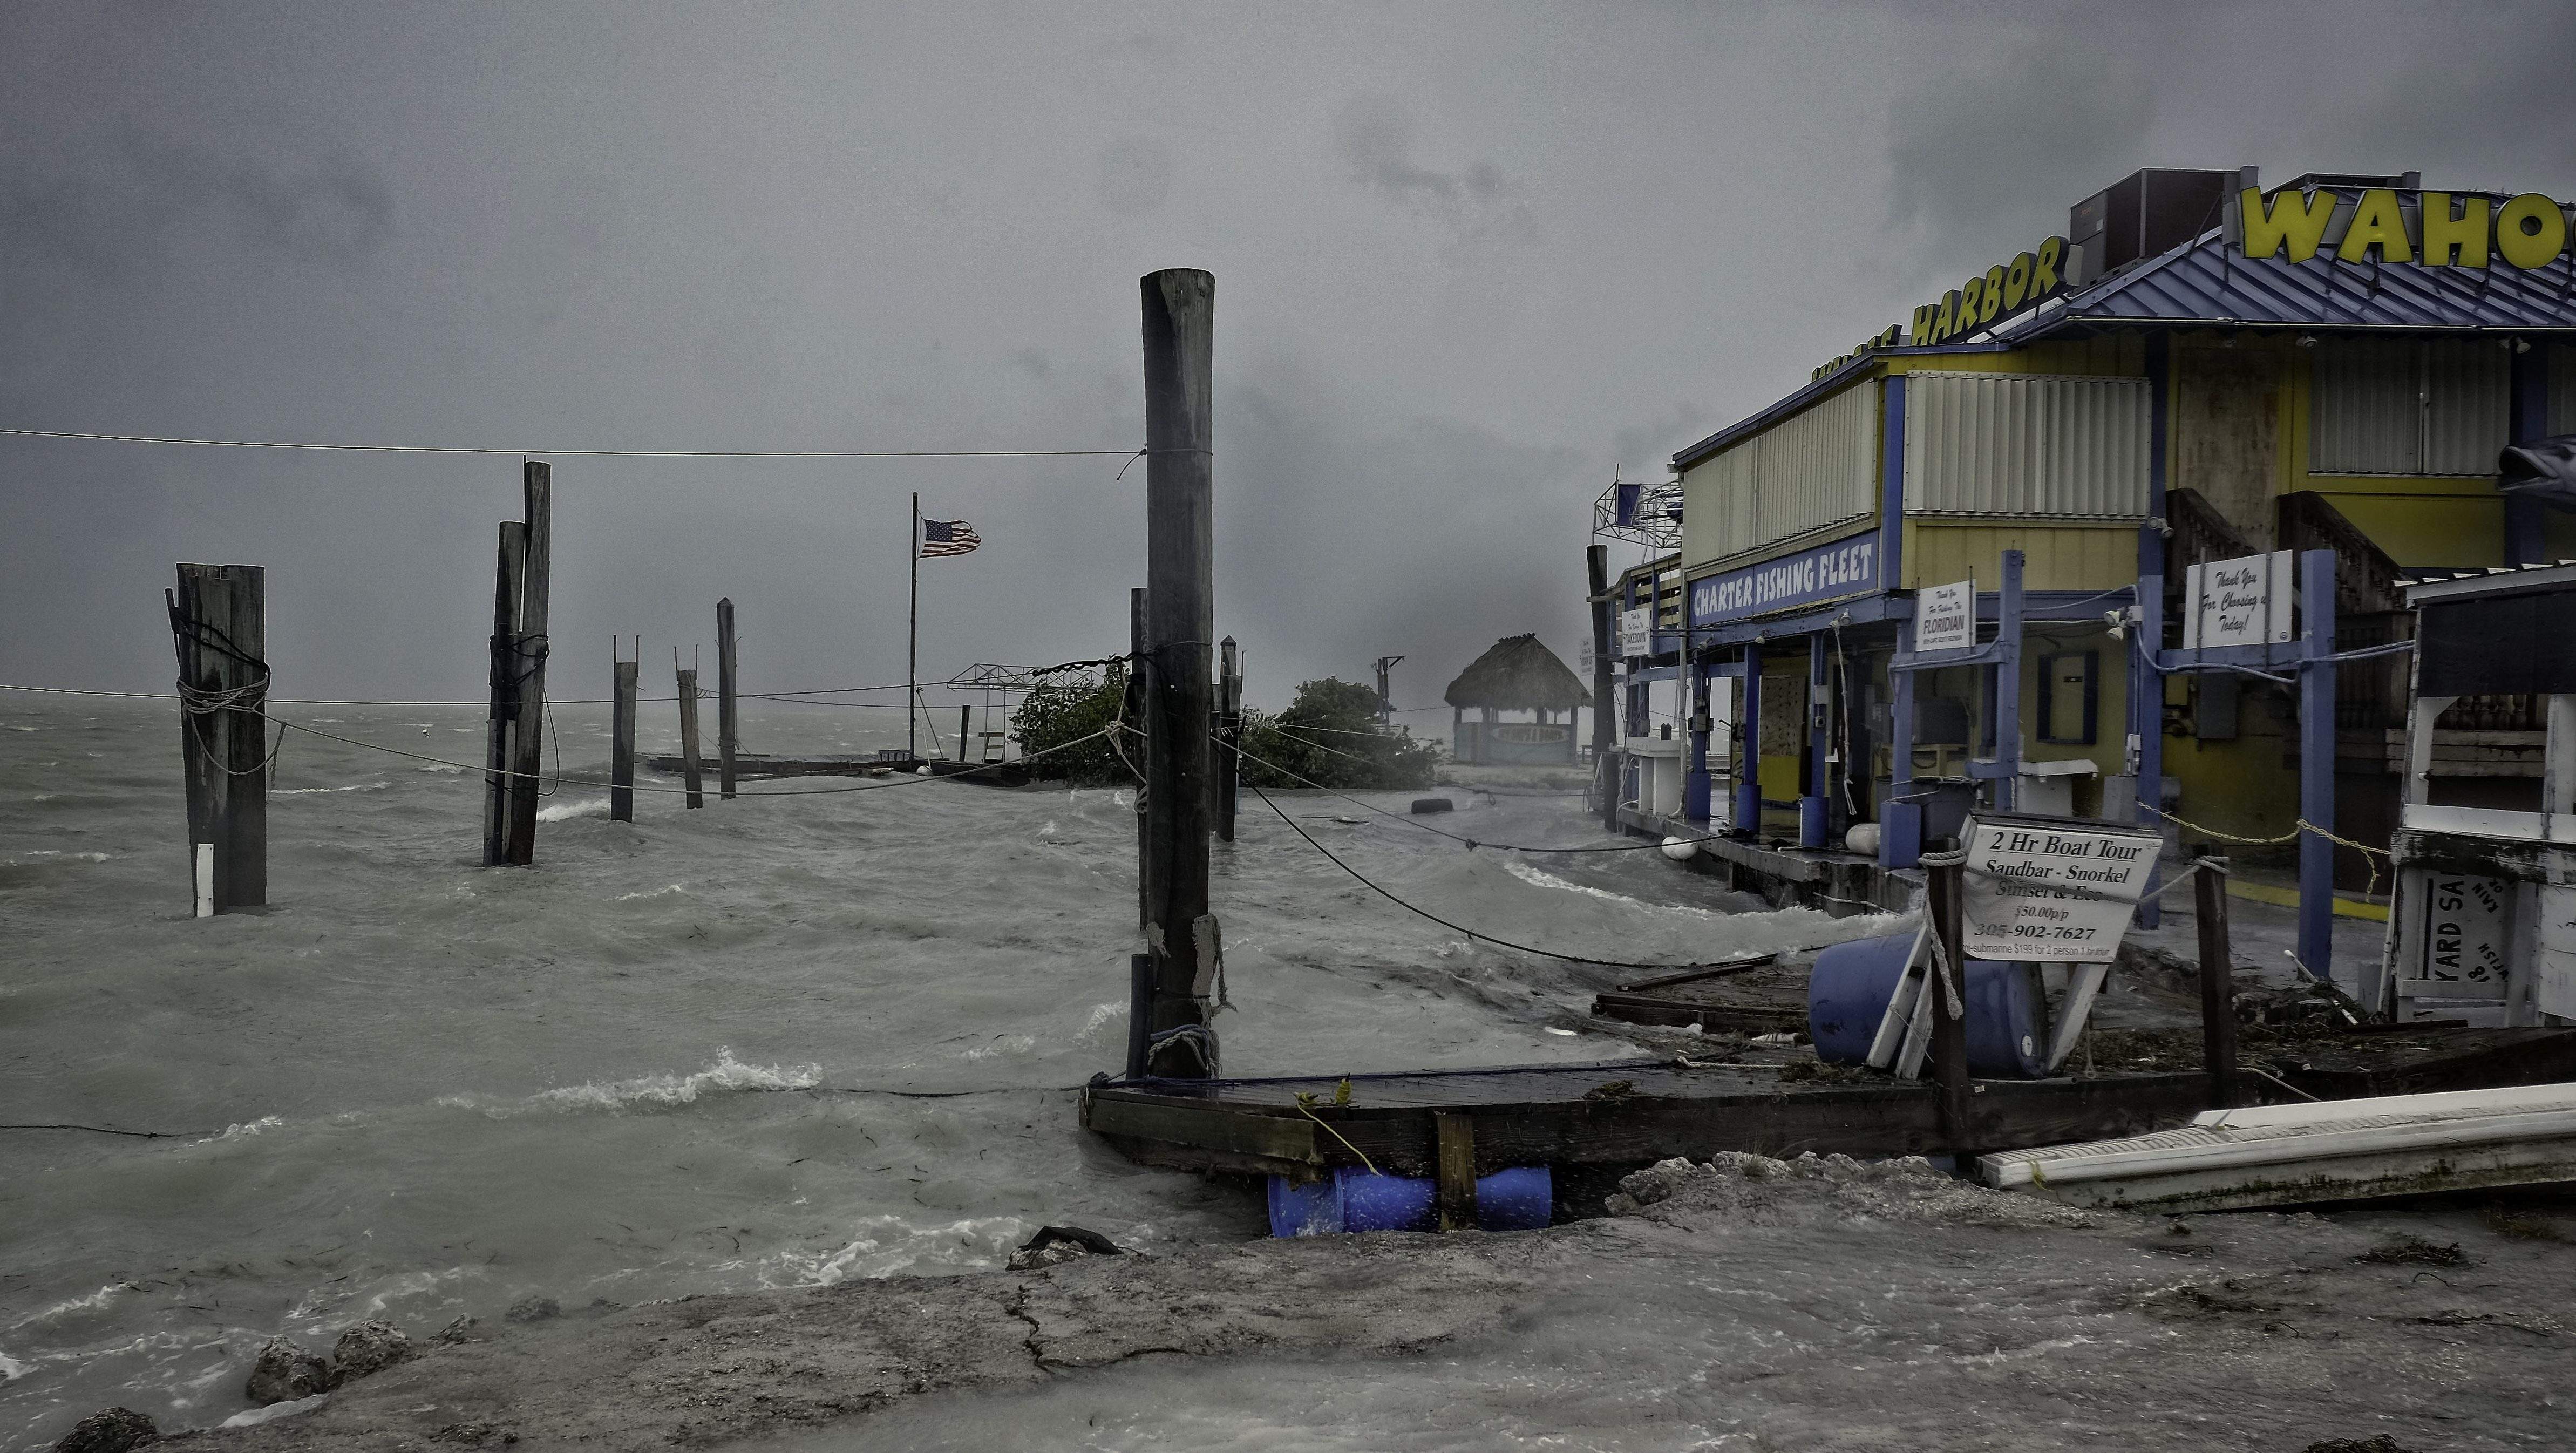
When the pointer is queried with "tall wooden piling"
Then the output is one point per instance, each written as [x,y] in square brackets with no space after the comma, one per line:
[1944,893]
[1605,776]
[965,719]
[728,725]
[528,660]
[621,749]
[1229,732]
[1179,328]
[500,753]
[1140,751]
[690,775]
[2217,983]
[219,621]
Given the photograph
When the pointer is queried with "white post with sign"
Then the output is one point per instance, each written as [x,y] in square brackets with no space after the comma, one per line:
[1945,617]
[2239,602]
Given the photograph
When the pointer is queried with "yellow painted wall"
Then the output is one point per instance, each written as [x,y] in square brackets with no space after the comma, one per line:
[2054,557]
[2420,520]
[2108,357]
[2109,752]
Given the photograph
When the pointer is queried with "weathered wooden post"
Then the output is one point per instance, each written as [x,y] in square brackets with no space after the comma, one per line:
[728,733]
[621,732]
[1605,778]
[1945,883]
[691,777]
[1229,731]
[965,719]
[528,662]
[219,621]
[1179,319]
[2217,980]
[1140,750]
[500,753]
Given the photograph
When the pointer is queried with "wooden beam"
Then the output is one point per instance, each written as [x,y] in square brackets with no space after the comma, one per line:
[692,775]
[500,755]
[219,618]
[1179,329]
[621,743]
[728,724]
[1943,890]
[528,736]
[1455,1132]
[2217,983]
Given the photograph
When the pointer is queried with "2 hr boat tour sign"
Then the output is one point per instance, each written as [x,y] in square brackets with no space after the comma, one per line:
[2061,893]
[1810,577]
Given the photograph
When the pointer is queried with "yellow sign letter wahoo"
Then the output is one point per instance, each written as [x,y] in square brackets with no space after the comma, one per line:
[2298,219]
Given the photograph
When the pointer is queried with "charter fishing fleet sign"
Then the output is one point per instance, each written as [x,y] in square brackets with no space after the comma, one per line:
[2062,894]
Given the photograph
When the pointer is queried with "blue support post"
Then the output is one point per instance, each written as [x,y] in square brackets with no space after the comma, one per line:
[2147,730]
[2007,682]
[1693,683]
[2151,536]
[1900,822]
[2317,760]
[1748,732]
[2527,419]
[1812,818]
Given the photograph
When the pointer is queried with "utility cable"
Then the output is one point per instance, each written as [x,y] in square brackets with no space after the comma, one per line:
[590,453]
[1436,918]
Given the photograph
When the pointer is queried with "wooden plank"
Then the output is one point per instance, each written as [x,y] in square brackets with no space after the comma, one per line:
[728,718]
[621,745]
[1650,1009]
[2217,986]
[500,788]
[691,773]
[1455,1134]
[2459,1059]
[1692,976]
[1286,1138]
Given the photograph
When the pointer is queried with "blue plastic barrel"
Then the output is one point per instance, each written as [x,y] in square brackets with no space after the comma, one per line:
[1848,990]
[1520,1198]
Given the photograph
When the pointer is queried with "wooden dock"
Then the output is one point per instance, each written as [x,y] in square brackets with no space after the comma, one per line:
[758,766]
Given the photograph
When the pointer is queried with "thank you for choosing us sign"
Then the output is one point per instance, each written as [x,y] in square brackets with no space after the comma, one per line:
[2061,894]
[2239,602]
[1945,617]
[1637,632]
[1810,577]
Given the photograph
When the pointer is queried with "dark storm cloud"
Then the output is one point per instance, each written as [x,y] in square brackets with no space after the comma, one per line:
[1376,139]
[1990,155]
[113,203]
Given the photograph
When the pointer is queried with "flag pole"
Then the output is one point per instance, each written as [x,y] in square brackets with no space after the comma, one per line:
[912,652]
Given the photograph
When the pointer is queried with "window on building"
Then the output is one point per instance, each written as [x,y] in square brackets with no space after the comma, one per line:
[2069,698]
[2390,407]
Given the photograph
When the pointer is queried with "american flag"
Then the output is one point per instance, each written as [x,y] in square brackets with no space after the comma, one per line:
[947,537]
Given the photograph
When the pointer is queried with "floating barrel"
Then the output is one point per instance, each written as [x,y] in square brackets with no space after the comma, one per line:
[1518,1199]
[1848,990]
[1433,804]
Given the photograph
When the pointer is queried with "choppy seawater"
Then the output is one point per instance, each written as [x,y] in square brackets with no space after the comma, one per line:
[777,1042]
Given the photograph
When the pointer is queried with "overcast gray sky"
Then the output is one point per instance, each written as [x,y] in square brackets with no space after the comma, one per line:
[1468,259]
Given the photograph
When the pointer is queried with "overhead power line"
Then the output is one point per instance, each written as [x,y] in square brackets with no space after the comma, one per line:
[577,453]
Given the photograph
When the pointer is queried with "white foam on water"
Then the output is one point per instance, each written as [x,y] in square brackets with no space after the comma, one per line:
[565,811]
[1101,1016]
[91,1303]
[1541,878]
[11,1369]
[889,1246]
[724,1073]
[1004,1044]
[651,893]
[441,768]
[312,791]
[245,1130]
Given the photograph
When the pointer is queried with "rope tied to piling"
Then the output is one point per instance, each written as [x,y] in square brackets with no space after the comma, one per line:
[199,705]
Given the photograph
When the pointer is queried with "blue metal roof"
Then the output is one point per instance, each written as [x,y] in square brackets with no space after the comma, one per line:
[2208,282]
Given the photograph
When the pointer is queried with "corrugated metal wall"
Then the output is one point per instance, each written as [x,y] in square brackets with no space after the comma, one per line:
[2468,405]
[2005,444]
[2383,406]
[1814,469]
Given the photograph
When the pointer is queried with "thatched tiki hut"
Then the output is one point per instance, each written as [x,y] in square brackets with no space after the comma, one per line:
[1524,678]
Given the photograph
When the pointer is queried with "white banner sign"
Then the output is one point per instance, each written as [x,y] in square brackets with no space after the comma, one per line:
[1637,632]
[2240,602]
[2057,894]
[1945,617]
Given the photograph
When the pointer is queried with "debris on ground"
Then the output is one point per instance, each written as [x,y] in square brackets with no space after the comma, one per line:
[1055,1245]
[367,1348]
[2415,1251]
[1758,1188]
[283,1371]
[109,1430]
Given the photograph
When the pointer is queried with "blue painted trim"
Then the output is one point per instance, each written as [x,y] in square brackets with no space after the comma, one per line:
[2317,760]
[1813,803]
[1891,483]
[1900,824]
[1748,787]
[2007,683]
[2151,541]
[2146,717]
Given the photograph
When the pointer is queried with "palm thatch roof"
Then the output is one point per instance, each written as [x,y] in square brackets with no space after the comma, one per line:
[1518,674]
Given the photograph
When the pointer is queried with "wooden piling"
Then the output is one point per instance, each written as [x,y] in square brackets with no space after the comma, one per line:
[621,751]
[1605,774]
[1140,750]
[528,737]
[500,753]
[1229,732]
[691,777]
[1454,1167]
[1944,892]
[1179,328]
[965,719]
[219,619]
[728,725]
[2217,984]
